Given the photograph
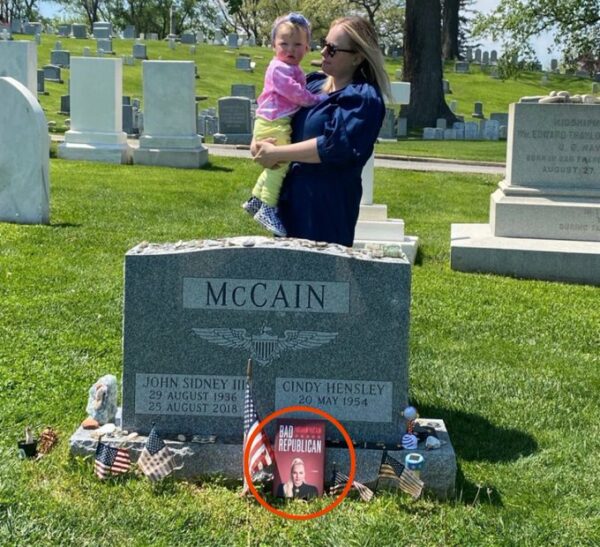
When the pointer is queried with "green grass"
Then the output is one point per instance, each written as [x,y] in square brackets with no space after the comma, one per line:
[216,68]
[479,151]
[512,366]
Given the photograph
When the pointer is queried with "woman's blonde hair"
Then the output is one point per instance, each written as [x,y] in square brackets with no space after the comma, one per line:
[364,40]
[288,487]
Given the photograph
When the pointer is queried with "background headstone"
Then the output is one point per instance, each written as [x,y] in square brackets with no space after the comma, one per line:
[18,60]
[478,110]
[102,30]
[65,104]
[243,63]
[96,133]
[471,131]
[388,127]
[235,120]
[24,156]
[140,51]
[79,31]
[244,90]
[129,33]
[104,44]
[40,81]
[188,38]
[545,215]
[461,67]
[52,73]
[232,40]
[170,136]
[60,58]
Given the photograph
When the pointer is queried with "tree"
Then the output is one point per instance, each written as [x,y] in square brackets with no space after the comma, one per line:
[370,8]
[450,26]
[575,25]
[18,9]
[423,64]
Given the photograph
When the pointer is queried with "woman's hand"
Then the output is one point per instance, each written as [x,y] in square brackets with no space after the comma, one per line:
[266,154]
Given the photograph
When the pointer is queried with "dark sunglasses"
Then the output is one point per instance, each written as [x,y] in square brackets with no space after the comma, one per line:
[332,50]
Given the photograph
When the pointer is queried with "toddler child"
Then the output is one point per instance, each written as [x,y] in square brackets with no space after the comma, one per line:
[283,94]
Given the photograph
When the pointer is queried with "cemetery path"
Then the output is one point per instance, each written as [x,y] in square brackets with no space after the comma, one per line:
[381,160]
[392,162]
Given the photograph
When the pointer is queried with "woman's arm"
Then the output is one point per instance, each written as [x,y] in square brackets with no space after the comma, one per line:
[269,155]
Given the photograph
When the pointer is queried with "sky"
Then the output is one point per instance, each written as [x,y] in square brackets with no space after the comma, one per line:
[48,9]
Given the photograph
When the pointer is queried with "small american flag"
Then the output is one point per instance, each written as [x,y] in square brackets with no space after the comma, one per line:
[111,461]
[261,453]
[339,483]
[156,460]
[395,472]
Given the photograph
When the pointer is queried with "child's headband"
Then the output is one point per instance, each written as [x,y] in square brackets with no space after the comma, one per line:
[295,19]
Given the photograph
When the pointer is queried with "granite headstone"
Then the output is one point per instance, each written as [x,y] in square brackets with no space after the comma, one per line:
[235,119]
[195,312]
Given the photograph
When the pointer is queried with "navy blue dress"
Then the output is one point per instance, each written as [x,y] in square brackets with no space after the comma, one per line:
[321,201]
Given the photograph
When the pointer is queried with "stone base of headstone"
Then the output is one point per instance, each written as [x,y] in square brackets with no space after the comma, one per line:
[528,212]
[384,232]
[232,138]
[100,147]
[216,458]
[474,248]
[183,152]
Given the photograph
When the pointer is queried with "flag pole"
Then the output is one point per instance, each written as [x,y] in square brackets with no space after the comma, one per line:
[383,455]
[249,370]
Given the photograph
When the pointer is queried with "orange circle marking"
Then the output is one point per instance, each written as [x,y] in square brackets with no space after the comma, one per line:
[261,426]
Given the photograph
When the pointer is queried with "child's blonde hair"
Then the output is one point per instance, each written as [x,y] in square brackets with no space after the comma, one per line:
[292,20]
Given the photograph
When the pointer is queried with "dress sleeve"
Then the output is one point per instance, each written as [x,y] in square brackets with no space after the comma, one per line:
[355,121]
[291,88]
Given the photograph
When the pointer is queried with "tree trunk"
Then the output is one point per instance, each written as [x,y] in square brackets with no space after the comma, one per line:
[423,64]
[450,24]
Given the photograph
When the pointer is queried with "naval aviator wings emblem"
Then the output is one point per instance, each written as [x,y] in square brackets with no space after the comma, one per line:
[266,346]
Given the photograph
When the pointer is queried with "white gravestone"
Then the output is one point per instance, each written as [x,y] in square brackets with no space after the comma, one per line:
[96,132]
[24,156]
[18,60]
[170,136]
[545,215]
[373,226]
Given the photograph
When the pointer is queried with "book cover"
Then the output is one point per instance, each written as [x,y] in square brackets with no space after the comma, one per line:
[299,458]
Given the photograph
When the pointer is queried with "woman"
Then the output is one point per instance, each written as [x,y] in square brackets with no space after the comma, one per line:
[332,141]
[296,487]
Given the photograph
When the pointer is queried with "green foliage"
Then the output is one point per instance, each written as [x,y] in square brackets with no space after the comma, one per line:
[575,25]
[512,366]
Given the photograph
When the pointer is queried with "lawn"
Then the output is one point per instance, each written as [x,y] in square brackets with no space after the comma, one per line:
[512,366]
[216,68]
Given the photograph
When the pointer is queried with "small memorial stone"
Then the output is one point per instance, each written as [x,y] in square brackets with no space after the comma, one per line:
[428,133]
[471,131]
[478,110]
[461,67]
[244,90]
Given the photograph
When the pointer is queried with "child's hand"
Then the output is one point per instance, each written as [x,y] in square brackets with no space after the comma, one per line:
[255,145]
[266,154]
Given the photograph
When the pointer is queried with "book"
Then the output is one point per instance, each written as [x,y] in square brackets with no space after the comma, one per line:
[299,450]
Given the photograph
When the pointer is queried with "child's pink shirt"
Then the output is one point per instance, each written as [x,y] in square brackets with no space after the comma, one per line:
[284,91]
